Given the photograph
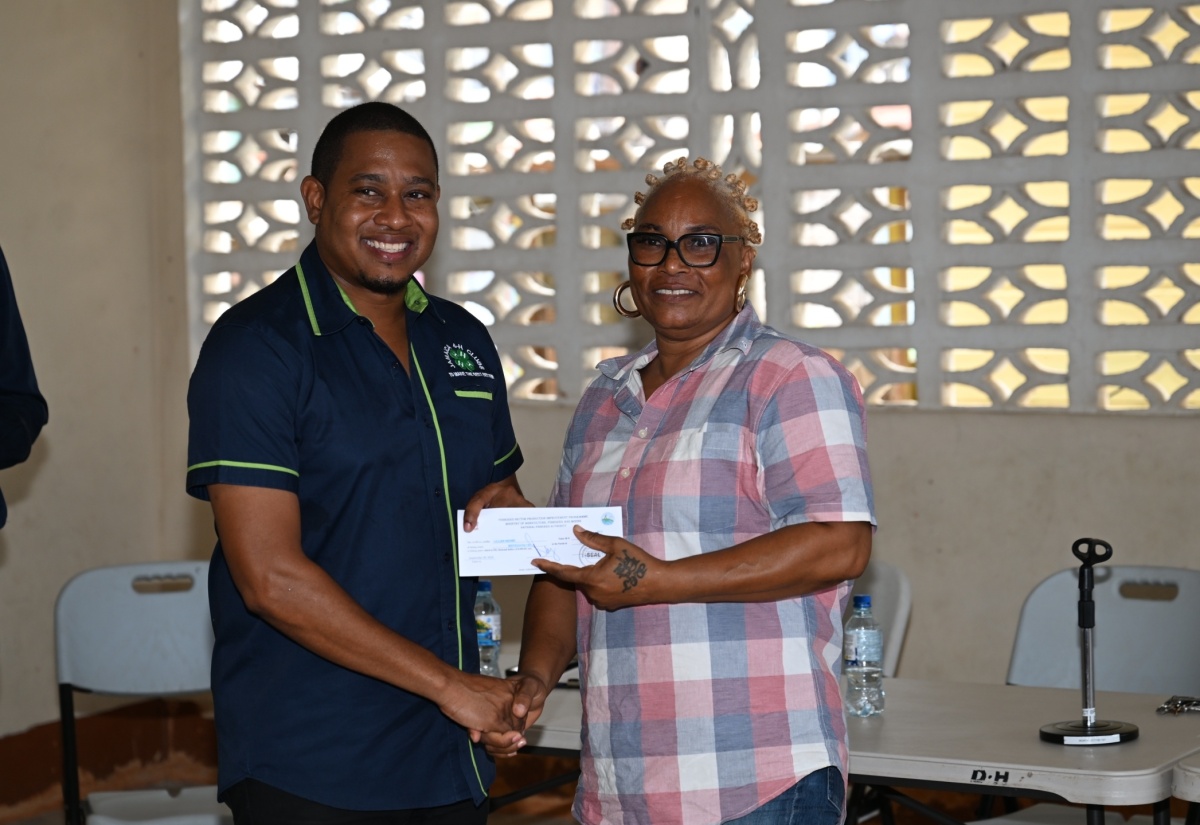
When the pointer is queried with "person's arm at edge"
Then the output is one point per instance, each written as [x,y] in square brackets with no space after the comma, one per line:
[21,420]
[792,561]
[22,406]
[259,529]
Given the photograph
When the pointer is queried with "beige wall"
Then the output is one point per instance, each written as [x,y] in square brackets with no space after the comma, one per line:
[976,507]
[91,224]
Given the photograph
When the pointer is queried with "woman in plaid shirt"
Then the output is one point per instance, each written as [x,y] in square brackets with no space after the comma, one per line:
[708,638]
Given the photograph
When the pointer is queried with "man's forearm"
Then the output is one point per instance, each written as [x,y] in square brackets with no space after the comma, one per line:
[260,536]
[306,605]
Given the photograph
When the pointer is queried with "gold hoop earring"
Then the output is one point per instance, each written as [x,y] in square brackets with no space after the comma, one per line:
[621,309]
[740,301]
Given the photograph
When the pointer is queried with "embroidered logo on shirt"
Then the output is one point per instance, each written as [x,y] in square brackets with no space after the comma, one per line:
[464,363]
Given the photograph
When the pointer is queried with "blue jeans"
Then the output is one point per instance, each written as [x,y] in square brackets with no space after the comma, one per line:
[817,799]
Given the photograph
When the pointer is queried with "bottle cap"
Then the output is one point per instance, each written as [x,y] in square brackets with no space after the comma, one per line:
[485,586]
[862,601]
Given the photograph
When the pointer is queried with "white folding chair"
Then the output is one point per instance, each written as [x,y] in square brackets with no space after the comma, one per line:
[1147,625]
[1147,631]
[891,602]
[134,630]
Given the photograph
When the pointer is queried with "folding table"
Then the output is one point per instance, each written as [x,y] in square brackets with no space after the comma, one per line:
[984,738]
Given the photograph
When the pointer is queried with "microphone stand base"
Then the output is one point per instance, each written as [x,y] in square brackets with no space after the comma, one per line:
[1078,733]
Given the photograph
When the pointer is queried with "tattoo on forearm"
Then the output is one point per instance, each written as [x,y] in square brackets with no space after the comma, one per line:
[629,569]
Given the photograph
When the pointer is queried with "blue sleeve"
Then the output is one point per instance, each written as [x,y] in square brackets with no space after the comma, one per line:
[23,411]
[242,403]
[508,456]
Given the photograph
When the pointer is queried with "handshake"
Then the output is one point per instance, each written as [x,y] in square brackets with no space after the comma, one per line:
[496,711]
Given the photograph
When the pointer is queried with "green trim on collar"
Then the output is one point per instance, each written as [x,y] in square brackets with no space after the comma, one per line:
[345,297]
[415,297]
[312,315]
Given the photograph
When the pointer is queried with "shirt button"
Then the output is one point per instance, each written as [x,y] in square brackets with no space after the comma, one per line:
[642,432]
[624,472]
[445,557]
[450,625]
[437,493]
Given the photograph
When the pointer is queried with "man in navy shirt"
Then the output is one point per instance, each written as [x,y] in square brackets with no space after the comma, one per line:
[22,408]
[339,417]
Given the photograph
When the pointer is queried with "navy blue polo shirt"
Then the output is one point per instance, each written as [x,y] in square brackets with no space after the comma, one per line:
[293,390]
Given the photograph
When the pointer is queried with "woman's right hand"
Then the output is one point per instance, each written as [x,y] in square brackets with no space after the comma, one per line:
[626,576]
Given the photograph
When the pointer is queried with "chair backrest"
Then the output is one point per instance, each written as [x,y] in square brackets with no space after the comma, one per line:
[135,629]
[891,602]
[1145,641]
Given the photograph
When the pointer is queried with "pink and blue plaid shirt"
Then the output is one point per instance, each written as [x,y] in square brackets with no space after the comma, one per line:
[700,713]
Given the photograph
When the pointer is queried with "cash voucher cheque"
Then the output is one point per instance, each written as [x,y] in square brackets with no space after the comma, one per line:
[506,540]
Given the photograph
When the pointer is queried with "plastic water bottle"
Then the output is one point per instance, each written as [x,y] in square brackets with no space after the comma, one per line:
[487,629]
[862,661]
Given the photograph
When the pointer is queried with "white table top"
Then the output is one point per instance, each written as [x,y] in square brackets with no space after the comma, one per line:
[1187,778]
[985,738]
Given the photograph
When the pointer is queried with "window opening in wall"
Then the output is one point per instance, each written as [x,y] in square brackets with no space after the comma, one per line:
[1021,236]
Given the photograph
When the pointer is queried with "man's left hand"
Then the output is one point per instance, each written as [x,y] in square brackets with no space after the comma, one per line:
[626,576]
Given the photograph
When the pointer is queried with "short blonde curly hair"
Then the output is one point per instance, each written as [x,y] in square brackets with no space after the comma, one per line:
[729,188]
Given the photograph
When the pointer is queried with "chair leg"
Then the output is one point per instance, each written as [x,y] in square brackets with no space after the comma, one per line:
[885,809]
[864,802]
[987,805]
[855,803]
[72,809]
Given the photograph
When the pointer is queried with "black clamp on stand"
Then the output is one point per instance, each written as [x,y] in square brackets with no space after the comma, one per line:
[1088,731]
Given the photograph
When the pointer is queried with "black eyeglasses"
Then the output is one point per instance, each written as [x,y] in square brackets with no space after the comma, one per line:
[695,249]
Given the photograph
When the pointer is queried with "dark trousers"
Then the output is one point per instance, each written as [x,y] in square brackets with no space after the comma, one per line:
[254,803]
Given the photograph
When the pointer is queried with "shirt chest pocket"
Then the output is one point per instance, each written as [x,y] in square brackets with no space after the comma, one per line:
[703,477]
[466,410]
[478,391]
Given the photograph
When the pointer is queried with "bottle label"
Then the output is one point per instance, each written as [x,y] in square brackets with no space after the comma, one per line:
[862,646]
[483,634]
[492,620]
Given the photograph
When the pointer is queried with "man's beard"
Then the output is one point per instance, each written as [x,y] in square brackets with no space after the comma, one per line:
[382,286]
